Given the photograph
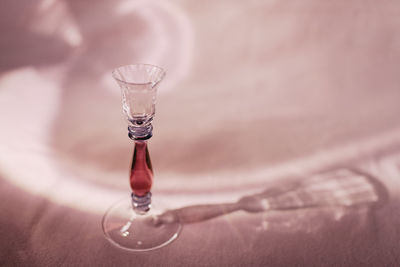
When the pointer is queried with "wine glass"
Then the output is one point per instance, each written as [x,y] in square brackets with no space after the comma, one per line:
[132,223]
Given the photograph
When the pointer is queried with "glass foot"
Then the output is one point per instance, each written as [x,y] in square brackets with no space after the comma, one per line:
[135,232]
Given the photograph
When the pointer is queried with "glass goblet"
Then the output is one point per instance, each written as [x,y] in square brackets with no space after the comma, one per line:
[132,223]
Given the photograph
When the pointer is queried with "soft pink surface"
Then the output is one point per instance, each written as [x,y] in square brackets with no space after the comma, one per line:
[256,92]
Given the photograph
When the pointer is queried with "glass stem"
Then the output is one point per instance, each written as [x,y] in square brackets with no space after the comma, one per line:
[141,178]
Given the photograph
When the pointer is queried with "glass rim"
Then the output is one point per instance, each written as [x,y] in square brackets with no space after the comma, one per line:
[115,70]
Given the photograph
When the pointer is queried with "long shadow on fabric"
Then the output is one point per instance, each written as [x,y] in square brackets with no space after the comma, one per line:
[342,187]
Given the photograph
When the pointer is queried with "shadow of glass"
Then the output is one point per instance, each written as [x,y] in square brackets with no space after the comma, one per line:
[349,188]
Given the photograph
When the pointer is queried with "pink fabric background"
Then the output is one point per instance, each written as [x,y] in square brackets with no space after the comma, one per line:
[256,93]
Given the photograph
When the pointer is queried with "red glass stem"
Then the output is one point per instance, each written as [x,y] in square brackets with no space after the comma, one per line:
[141,176]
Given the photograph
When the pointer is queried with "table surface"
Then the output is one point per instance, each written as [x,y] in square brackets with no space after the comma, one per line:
[295,103]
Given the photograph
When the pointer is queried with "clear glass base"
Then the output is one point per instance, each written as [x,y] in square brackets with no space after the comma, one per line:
[126,229]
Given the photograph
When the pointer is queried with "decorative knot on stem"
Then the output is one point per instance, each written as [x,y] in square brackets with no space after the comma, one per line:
[141,204]
[140,133]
